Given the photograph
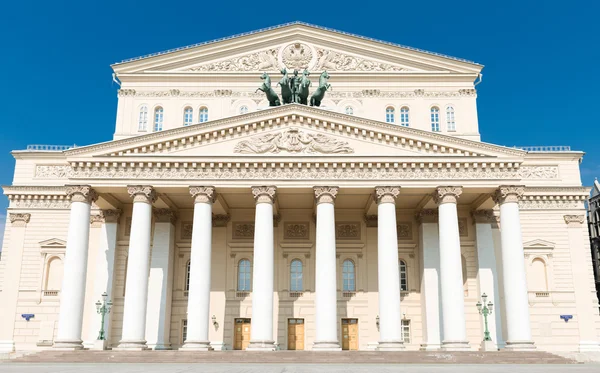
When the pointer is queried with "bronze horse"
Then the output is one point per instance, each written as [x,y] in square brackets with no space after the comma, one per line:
[269,92]
[304,84]
[286,92]
[317,96]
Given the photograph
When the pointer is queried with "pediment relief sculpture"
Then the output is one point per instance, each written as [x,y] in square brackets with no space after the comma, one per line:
[293,140]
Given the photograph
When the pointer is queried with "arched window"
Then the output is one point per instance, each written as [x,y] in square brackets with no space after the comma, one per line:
[143,118]
[450,122]
[538,280]
[187,277]
[435,119]
[158,119]
[188,116]
[348,276]
[296,276]
[349,110]
[404,117]
[203,114]
[243,109]
[244,269]
[403,275]
[55,274]
[389,114]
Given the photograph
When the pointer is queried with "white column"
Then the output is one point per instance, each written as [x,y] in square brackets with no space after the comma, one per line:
[487,276]
[200,270]
[586,304]
[138,267]
[430,294]
[261,332]
[390,327]
[13,255]
[104,272]
[513,264]
[451,281]
[160,281]
[72,294]
[326,337]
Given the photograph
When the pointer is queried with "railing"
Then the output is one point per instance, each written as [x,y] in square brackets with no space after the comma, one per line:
[296,294]
[50,148]
[242,294]
[559,148]
[348,294]
[542,294]
[50,293]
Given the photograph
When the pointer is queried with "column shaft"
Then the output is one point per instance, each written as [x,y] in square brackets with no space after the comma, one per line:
[390,327]
[261,337]
[326,337]
[451,281]
[72,294]
[513,263]
[200,267]
[138,267]
[430,283]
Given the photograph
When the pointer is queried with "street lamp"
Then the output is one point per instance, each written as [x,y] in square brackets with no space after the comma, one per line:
[485,309]
[102,309]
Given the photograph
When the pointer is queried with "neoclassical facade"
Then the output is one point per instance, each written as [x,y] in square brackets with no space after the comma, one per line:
[374,221]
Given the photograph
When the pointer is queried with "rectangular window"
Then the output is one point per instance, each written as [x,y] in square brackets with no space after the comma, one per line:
[183,330]
[435,120]
[406,331]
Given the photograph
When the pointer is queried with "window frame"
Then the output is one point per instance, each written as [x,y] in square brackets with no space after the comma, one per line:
[434,115]
[294,282]
[405,330]
[346,281]
[349,110]
[241,110]
[402,262]
[450,118]
[390,114]
[143,118]
[203,114]
[247,282]
[159,118]
[188,119]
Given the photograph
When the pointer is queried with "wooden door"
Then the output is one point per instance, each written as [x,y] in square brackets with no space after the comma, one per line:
[349,334]
[295,334]
[241,334]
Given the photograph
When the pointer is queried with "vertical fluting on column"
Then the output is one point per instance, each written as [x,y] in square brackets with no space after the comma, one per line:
[516,303]
[138,268]
[326,337]
[390,328]
[261,332]
[72,294]
[451,281]
[200,272]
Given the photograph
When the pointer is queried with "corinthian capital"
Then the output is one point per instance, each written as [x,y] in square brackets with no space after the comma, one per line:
[264,194]
[386,194]
[427,216]
[203,194]
[325,194]
[508,193]
[81,193]
[447,194]
[142,193]
[19,220]
[484,216]
[164,216]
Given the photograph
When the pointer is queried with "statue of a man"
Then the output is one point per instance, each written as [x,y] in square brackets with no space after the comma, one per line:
[295,87]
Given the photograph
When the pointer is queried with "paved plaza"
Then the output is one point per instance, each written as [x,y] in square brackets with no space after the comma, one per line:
[291,368]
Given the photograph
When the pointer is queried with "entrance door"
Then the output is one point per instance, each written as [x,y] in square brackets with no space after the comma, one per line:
[295,334]
[349,334]
[241,334]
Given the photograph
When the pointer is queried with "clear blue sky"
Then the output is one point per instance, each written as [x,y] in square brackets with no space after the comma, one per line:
[540,84]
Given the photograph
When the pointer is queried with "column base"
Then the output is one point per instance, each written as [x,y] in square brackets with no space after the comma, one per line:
[196,346]
[488,346]
[430,347]
[138,345]
[589,346]
[326,346]
[261,346]
[6,347]
[455,346]
[218,346]
[100,345]
[391,346]
[68,344]
[519,346]
[160,347]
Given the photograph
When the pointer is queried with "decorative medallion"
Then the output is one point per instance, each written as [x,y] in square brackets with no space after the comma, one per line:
[293,140]
[404,230]
[243,230]
[347,231]
[297,56]
[187,228]
[296,230]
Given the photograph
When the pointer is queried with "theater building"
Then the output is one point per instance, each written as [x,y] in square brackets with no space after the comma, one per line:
[373,219]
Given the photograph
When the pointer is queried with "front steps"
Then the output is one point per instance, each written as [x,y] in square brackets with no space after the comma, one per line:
[297,357]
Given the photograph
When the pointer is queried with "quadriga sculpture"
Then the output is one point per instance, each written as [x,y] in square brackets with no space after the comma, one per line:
[268,90]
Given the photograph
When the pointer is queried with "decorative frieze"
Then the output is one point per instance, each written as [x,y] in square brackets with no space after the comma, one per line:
[463,229]
[220,220]
[427,216]
[203,194]
[404,230]
[264,194]
[296,230]
[386,194]
[164,216]
[371,221]
[187,227]
[293,140]
[574,220]
[484,216]
[243,230]
[508,193]
[142,193]
[81,193]
[447,194]
[18,219]
[325,194]
[347,230]
[128,221]
[39,202]
[552,203]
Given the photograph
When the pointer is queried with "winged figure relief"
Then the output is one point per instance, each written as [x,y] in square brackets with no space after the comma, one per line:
[293,141]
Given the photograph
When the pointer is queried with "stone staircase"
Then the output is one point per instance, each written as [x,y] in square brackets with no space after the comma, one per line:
[296,357]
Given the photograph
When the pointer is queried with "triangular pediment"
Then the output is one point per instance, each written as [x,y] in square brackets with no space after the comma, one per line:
[53,243]
[293,132]
[534,244]
[296,46]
